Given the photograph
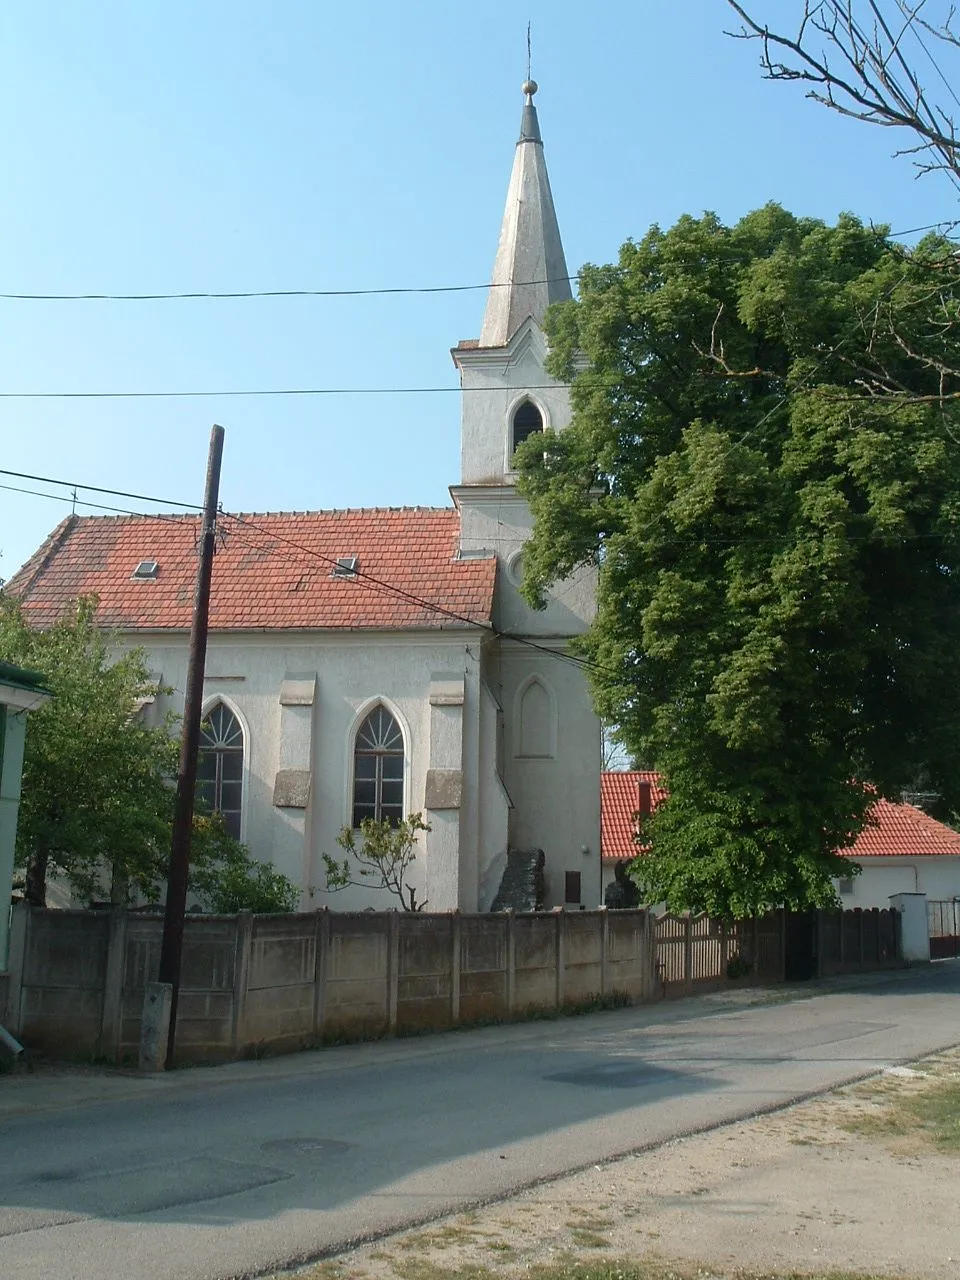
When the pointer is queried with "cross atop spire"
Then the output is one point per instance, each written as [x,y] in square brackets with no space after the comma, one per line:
[530,271]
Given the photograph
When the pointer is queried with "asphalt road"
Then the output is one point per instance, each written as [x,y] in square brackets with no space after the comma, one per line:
[230,1171]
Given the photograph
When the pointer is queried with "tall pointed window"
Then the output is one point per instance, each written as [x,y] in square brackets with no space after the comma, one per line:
[527,421]
[378,769]
[220,767]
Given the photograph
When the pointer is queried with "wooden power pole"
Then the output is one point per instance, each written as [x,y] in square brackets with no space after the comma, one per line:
[190,744]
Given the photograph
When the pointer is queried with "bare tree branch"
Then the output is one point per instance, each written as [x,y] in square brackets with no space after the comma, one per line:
[870,77]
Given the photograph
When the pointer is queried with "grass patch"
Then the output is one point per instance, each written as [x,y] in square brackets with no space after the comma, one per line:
[624,1269]
[587,1238]
[930,1112]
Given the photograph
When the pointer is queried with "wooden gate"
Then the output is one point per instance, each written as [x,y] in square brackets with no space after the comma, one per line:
[944,921]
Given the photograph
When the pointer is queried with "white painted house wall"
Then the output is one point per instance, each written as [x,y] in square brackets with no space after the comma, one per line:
[938,878]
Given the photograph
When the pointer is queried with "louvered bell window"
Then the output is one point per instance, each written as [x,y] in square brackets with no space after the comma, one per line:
[378,769]
[220,767]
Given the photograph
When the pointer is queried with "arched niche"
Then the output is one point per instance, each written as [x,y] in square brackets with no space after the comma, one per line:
[535,720]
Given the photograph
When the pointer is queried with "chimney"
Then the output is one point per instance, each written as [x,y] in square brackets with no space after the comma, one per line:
[644,801]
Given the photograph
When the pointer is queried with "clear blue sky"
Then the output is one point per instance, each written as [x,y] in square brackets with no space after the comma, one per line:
[205,145]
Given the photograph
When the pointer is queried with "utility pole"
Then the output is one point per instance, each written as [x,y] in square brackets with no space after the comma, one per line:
[189,745]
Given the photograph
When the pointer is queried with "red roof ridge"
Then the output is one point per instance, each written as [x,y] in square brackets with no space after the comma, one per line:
[894,829]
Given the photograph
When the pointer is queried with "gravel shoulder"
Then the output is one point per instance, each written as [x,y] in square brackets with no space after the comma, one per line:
[861,1182]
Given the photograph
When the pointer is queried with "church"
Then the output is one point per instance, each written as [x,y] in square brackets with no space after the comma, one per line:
[382,662]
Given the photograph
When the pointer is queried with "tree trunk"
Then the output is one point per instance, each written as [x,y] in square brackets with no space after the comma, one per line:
[35,890]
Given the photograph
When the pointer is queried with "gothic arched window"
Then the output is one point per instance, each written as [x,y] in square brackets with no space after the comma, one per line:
[220,767]
[527,421]
[378,769]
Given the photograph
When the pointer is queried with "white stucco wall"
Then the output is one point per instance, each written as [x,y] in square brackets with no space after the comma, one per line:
[556,797]
[495,380]
[549,757]
[353,671]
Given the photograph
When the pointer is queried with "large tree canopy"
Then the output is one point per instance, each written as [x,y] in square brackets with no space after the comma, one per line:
[778,624]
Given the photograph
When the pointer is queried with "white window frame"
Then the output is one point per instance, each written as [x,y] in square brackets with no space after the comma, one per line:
[208,705]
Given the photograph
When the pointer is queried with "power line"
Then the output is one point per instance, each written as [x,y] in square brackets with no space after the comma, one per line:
[367,579]
[401,593]
[282,391]
[68,498]
[94,488]
[380,291]
[280,293]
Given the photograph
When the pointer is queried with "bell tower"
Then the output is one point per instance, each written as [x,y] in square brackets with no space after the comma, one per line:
[507,393]
[542,795]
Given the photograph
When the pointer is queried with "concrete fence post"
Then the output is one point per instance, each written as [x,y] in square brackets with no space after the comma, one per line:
[604,944]
[511,982]
[393,970]
[561,953]
[241,978]
[321,968]
[818,926]
[155,1025]
[111,1015]
[455,964]
[19,949]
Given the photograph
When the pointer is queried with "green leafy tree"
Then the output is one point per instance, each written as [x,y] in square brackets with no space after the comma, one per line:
[96,803]
[778,621]
[225,879]
[382,860]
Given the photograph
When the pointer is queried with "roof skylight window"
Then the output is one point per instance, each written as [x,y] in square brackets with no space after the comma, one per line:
[345,567]
[146,569]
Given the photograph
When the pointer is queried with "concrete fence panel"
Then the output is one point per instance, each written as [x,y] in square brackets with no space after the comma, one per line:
[425,971]
[535,966]
[360,975]
[62,969]
[484,980]
[583,953]
[274,983]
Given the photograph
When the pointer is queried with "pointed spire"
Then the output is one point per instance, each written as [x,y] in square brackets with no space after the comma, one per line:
[530,271]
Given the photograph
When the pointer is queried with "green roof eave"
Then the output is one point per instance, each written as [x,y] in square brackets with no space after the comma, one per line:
[22,678]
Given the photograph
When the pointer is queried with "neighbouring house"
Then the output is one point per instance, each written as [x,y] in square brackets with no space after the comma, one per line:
[904,850]
[383,662]
[21,692]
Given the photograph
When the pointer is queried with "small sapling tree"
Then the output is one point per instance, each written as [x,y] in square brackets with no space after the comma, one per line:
[380,860]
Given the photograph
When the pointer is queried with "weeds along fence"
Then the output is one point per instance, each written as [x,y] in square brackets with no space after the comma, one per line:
[281,982]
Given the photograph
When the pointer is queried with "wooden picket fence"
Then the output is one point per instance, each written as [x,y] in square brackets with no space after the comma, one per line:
[698,953]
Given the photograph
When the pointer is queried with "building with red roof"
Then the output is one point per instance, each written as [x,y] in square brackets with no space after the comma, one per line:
[903,850]
[382,662]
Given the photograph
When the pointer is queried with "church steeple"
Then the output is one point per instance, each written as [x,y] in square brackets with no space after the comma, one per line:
[530,272]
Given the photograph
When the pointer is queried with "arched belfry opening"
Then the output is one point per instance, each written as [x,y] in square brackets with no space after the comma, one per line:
[527,421]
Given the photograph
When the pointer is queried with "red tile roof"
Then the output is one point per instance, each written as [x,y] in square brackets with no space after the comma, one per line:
[620,801]
[903,831]
[897,830]
[260,581]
